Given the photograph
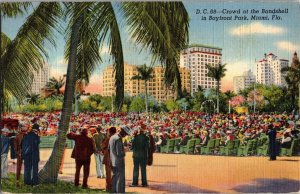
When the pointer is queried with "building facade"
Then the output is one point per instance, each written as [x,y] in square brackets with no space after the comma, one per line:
[40,79]
[268,70]
[243,81]
[156,86]
[194,58]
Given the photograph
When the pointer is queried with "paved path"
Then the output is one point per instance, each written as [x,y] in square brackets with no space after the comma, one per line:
[180,173]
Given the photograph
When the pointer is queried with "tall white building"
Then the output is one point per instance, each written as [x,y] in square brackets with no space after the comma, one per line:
[40,79]
[243,81]
[268,70]
[194,58]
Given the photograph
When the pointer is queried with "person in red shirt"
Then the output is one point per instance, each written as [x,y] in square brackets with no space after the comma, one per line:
[83,149]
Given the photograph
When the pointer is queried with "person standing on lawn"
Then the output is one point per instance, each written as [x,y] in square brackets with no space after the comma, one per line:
[106,158]
[31,156]
[83,149]
[18,148]
[140,146]
[4,151]
[99,137]
[117,157]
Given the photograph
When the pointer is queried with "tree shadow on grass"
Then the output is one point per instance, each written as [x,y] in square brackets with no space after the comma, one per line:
[269,186]
[173,187]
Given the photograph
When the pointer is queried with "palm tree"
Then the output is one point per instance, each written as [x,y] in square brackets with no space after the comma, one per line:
[229,94]
[32,98]
[145,74]
[292,79]
[217,72]
[56,84]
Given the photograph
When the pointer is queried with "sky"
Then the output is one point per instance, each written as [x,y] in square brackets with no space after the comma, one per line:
[242,41]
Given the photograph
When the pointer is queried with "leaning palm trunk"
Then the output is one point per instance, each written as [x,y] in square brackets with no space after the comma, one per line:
[146,95]
[49,173]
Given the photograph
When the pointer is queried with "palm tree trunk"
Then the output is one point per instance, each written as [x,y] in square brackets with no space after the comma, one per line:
[138,86]
[178,86]
[49,173]
[146,95]
[218,88]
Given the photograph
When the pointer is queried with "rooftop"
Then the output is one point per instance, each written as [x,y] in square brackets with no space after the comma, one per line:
[203,45]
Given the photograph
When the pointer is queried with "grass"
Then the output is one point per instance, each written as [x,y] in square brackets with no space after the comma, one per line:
[9,185]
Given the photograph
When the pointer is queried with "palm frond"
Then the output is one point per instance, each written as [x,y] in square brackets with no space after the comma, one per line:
[161,27]
[13,9]
[88,56]
[5,41]
[106,26]
[26,52]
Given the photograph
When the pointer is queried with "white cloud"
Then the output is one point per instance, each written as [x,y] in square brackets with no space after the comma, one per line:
[256,28]
[287,46]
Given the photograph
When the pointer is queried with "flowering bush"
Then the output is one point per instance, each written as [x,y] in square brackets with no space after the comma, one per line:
[237,101]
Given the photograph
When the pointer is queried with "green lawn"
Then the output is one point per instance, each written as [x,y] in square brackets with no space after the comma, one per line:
[9,185]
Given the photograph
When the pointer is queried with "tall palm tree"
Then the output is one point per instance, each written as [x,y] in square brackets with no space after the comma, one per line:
[217,72]
[50,171]
[292,79]
[145,74]
[56,84]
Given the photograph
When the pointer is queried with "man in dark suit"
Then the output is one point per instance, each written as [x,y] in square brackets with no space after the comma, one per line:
[84,148]
[272,142]
[31,156]
[140,146]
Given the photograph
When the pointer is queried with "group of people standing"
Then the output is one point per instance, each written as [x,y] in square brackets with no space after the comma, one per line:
[109,150]
[24,146]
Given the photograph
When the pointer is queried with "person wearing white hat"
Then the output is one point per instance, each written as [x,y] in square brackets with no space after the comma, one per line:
[117,158]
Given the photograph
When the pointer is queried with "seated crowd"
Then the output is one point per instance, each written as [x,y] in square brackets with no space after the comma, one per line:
[177,125]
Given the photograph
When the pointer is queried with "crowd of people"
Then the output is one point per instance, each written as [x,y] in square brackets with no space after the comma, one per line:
[109,135]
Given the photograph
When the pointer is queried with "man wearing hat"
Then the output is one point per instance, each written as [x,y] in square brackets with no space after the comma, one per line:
[83,149]
[18,148]
[31,156]
[99,137]
[4,151]
[272,141]
[117,155]
[140,146]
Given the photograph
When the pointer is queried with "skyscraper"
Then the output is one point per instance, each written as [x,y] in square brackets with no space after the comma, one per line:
[40,79]
[194,58]
[268,70]
[156,86]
